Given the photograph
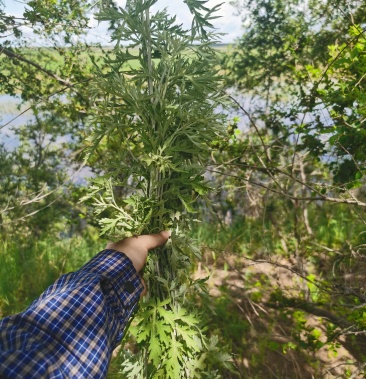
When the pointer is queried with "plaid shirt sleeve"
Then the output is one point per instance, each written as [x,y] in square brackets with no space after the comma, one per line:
[71,330]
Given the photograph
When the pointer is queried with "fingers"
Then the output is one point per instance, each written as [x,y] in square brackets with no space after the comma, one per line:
[152,241]
[136,248]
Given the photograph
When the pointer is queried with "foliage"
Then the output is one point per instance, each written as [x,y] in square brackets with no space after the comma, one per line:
[284,247]
[269,49]
[265,311]
[300,91]
[279,37]
[153,125]
[50,86]
[296,163]
[340,90]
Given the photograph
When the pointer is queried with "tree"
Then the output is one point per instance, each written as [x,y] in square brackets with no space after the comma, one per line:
[50,83]
[300,156]
[282,61]
[339,89]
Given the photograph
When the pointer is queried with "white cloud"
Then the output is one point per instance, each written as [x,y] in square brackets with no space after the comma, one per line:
[229,22]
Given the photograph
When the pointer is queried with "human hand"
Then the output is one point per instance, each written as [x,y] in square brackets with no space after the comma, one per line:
[136,248]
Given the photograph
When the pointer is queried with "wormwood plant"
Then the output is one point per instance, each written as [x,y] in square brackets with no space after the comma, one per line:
[155,118]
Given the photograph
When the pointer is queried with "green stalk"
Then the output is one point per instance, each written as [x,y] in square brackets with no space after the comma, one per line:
[156,189]
[147,46]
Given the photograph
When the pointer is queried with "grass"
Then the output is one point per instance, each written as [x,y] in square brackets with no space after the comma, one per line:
[255,338]
[26,271]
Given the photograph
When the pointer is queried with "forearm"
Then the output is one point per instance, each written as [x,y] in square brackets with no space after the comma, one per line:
[73,327]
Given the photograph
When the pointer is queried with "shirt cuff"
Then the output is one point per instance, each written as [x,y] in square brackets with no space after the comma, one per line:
[118,274]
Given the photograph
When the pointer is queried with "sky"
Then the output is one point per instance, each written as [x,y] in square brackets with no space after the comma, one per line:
[229,23]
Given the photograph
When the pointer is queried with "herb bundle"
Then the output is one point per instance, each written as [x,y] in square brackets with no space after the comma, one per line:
[155,120]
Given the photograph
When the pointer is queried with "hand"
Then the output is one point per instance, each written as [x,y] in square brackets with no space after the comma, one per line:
[136,248]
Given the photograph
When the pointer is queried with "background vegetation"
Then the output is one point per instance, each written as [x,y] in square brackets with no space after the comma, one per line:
[282,235]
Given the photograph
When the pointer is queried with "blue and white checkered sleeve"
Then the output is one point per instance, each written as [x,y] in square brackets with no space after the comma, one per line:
[71,330]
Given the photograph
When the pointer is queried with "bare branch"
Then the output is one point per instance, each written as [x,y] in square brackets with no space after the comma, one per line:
[43,100]
[321,197]
[40,195]
[252,123]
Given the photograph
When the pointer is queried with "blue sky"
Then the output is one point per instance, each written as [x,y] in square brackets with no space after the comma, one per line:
[228,23]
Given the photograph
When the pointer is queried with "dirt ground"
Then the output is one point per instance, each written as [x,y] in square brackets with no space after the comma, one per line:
[256,349]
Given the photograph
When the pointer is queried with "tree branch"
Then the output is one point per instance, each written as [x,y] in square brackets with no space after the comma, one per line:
[310,308]
[253,124]
[355,343]
[14,56]
[300,198]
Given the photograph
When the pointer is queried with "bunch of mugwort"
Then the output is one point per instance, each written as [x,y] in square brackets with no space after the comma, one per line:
[154,121]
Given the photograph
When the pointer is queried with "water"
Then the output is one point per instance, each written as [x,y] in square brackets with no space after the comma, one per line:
[14,115]
[11,118]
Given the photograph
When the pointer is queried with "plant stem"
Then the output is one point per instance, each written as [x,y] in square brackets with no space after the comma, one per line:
[149,60]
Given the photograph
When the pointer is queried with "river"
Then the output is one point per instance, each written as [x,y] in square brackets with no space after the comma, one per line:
[11,117]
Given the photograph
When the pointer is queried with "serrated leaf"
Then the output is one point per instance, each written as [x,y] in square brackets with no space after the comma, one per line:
[168,317]
[143,334]
[163,332]
[173,360]
[155,348]
[185,317]
[187,335]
